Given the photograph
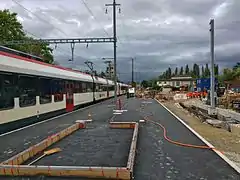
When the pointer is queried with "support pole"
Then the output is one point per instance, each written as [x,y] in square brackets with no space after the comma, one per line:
[114,46]
[109,66]
[212,65]
[72,50]
[132,72]
[212,110]
[90,66]
[115,50]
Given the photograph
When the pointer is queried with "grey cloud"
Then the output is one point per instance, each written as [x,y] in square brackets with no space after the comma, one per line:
[160,33]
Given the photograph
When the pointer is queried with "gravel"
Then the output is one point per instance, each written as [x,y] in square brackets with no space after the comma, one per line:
[223,112]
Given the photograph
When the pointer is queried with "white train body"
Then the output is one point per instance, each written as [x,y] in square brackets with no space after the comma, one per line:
[31,90]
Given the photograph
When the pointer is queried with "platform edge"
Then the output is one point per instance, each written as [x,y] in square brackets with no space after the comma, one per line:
[226,159]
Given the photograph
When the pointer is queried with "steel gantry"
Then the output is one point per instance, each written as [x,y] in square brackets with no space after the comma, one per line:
[59,41]
[71,41]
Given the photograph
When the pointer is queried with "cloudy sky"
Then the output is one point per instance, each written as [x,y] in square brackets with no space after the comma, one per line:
[158,33]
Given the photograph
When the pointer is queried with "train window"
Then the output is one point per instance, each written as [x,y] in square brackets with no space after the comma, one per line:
[100,87]
[97,88]
[28,90]
[89,87]
[77,87]
[7,91]
[84,87]
[45,90]
[57,90]
[104,87]
[80,87]
[111,88]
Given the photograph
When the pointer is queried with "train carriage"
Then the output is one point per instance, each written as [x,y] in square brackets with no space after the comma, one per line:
[31,90]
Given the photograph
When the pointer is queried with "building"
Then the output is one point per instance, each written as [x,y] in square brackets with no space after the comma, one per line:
[177,82]
[233,85]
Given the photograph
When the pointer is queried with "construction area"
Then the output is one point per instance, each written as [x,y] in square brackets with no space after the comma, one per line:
[141,140]
[222,130]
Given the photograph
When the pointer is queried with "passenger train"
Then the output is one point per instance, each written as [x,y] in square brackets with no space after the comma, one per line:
[31,90]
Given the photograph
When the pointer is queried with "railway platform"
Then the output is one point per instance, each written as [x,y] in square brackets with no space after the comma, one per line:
[156,158]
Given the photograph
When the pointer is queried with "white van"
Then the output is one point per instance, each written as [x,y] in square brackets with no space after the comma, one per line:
[131,92]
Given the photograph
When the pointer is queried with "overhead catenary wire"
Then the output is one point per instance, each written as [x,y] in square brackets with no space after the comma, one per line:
[19,4]
[90,11]
[45,21]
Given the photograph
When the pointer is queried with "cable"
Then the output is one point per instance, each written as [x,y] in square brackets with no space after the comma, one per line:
[39,38]
[176,142]
[90,11]
[43,21]
[15,1]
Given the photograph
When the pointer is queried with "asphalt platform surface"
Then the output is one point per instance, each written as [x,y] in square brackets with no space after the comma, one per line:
[156,158]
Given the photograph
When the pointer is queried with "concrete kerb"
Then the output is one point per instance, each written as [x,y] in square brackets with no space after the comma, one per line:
[228,161]
[32,151]
[122,125]
[132,152]
[60,171]
[13,167]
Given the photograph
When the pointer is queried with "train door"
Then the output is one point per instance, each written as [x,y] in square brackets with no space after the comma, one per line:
[69,96]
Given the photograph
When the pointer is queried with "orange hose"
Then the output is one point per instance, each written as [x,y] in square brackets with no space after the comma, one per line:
[178,143]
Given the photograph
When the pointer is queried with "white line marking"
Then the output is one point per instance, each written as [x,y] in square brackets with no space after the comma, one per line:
[232,164]
[117,113]
[79,121]
[25,127]
[113,117]
[120,110]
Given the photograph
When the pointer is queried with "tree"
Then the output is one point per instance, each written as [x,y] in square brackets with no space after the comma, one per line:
[176,71]
[144,83]
[196,71]
[181,71]
[236,66]
[216,70]
[169,73]
[203,72]
[230,74]
[187,70]
[207,71]
[11,29]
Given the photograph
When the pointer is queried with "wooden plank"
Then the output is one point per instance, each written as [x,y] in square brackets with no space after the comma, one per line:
[32,151]
[133,147]
[88,172]
[122,125]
